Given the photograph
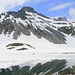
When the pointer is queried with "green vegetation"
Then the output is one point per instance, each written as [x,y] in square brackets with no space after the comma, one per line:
[11,48]
[30,46]
[15,44]
[67,71]
[47,68]
[22,49]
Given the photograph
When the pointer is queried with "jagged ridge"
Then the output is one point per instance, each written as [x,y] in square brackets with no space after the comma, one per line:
[26,21]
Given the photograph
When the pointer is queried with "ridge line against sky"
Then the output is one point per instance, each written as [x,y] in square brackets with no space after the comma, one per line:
[51,8]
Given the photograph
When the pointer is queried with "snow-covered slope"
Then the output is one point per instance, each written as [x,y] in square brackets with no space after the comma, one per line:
[40,50]
[28,38]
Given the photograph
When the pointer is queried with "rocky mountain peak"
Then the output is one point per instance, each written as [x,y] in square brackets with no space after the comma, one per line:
[27,20]
[28,9]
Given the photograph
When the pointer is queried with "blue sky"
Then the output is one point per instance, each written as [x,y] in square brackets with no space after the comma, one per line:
[51,8]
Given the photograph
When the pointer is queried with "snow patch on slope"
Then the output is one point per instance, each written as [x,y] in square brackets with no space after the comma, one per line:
[44,51]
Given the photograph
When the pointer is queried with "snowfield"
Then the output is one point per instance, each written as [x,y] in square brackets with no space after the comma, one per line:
[44,51]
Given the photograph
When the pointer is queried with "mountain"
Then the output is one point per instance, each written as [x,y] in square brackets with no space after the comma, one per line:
[30,40]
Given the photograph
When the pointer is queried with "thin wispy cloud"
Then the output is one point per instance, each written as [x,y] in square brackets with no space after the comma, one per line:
[62,6]
[6,5]
[72,14]
[39,0]
[9,4]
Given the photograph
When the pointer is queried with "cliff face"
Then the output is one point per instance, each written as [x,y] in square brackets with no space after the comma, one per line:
[26,21]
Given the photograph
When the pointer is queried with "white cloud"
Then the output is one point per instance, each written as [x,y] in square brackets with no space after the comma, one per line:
[62,6]
[39,0]
[72,14]
[9,4]
[1,9]
[6,5]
